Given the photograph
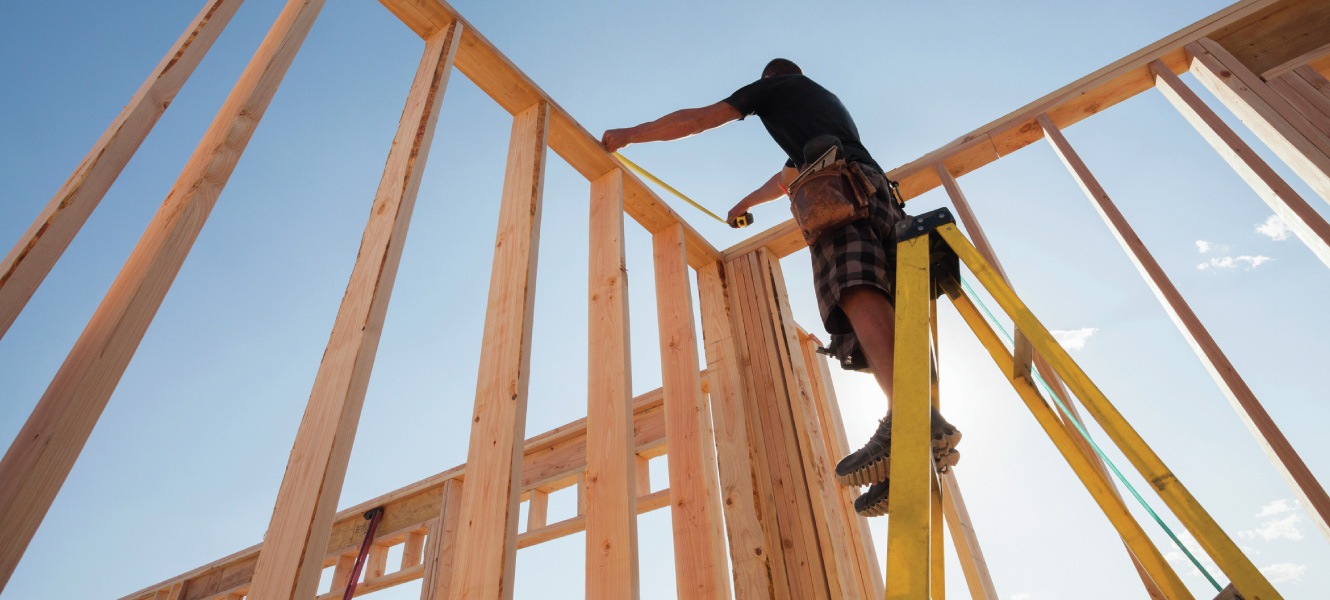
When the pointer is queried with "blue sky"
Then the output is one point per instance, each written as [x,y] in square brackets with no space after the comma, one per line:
[184,465]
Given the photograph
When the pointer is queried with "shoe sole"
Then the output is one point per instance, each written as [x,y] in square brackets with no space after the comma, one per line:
[875,509]
[945,456]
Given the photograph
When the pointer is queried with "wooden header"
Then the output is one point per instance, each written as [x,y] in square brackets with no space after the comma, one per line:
[1263,34]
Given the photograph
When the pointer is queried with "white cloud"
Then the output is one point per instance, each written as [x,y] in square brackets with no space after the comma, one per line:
[1203,246]
[1274,228]
[1249,551]
[1281,572]
[1232,262]
[1073,339]
[1284,527]
[1277,507]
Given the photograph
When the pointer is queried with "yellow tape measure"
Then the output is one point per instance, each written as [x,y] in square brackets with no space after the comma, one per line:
[743,220]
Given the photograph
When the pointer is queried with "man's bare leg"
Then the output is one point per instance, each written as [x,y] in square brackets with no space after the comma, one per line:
[874,322]
[873,319]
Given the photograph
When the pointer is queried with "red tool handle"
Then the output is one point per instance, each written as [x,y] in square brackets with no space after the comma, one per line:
[374,515]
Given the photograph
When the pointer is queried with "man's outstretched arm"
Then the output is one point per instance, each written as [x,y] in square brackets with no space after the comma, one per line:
[678,124]
[769,191]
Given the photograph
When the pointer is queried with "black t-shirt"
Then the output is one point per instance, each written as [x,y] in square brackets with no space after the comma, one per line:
[796,109]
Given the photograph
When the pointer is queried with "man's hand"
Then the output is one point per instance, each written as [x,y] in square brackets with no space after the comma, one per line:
[614,139]
[736,212]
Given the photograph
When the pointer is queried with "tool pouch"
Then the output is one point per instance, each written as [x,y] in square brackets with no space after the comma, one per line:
[828,195]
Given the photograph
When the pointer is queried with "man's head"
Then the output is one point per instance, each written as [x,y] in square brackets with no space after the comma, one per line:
[781,66]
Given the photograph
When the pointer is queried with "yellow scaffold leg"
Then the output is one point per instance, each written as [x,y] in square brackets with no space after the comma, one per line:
[908,534]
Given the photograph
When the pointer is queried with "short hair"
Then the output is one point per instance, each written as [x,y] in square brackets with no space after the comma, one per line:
[781,66]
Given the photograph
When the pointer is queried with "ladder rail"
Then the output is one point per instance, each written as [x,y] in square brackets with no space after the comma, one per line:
[1212,538]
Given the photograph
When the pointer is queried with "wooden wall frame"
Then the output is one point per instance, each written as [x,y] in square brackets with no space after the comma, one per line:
[752,434]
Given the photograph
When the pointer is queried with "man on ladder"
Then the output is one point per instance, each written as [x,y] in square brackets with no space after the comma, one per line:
[853,262]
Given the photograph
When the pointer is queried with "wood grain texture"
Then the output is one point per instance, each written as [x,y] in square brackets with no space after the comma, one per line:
[749,555]
[794,531]
[1300,217]
[498,77]
[441,548]
[1070,104]
[1253,414]
[45,449]
[32,257]
[307,500]
[862,551]
[487,537]
[824,492]
[1295,140]
[966,542]
[695,496]
[611,498]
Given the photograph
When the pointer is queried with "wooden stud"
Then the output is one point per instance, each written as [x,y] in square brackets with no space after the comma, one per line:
[537,510]
[610,494]
[985,249]
[441,544]
[581,493]
[307,499]
[1300,217]
[870,572]
[699,552]
[642,472]
[750,557]
[413,550]
[487,538]
[342,573]
[818,467]
[966,542]
[1289,134]
[176,591]
[376,564]
[772,496]
[795,532]
[45,449]
[1286,460]
[1305,99]
[24,268]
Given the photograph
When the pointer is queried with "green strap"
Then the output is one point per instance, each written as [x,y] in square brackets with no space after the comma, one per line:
[1086,435]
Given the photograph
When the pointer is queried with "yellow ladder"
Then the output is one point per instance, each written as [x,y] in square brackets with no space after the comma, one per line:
[930,250]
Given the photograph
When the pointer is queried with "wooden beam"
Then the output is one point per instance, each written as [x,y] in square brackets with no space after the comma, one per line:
[965,541]
[342,572]
[27,264]
[1290,33]
[780,483]
[494,74]
[1300,217]
[749,554]
[1286,460]
[981,244]
[376,564]
[642,473]
[863,552]
[1305,97]
[549,458]
[413,551]
[695,496]
[819,468]
[1295,140]
[441,548]
[487,538]
[538,510]
[1074,102]
[312,484]
[36,465]
[611,540]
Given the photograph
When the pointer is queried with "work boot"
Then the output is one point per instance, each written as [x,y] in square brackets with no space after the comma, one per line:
[873,503]
[872,463]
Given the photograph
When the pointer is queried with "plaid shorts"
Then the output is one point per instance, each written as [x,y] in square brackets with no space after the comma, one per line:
[858,253]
